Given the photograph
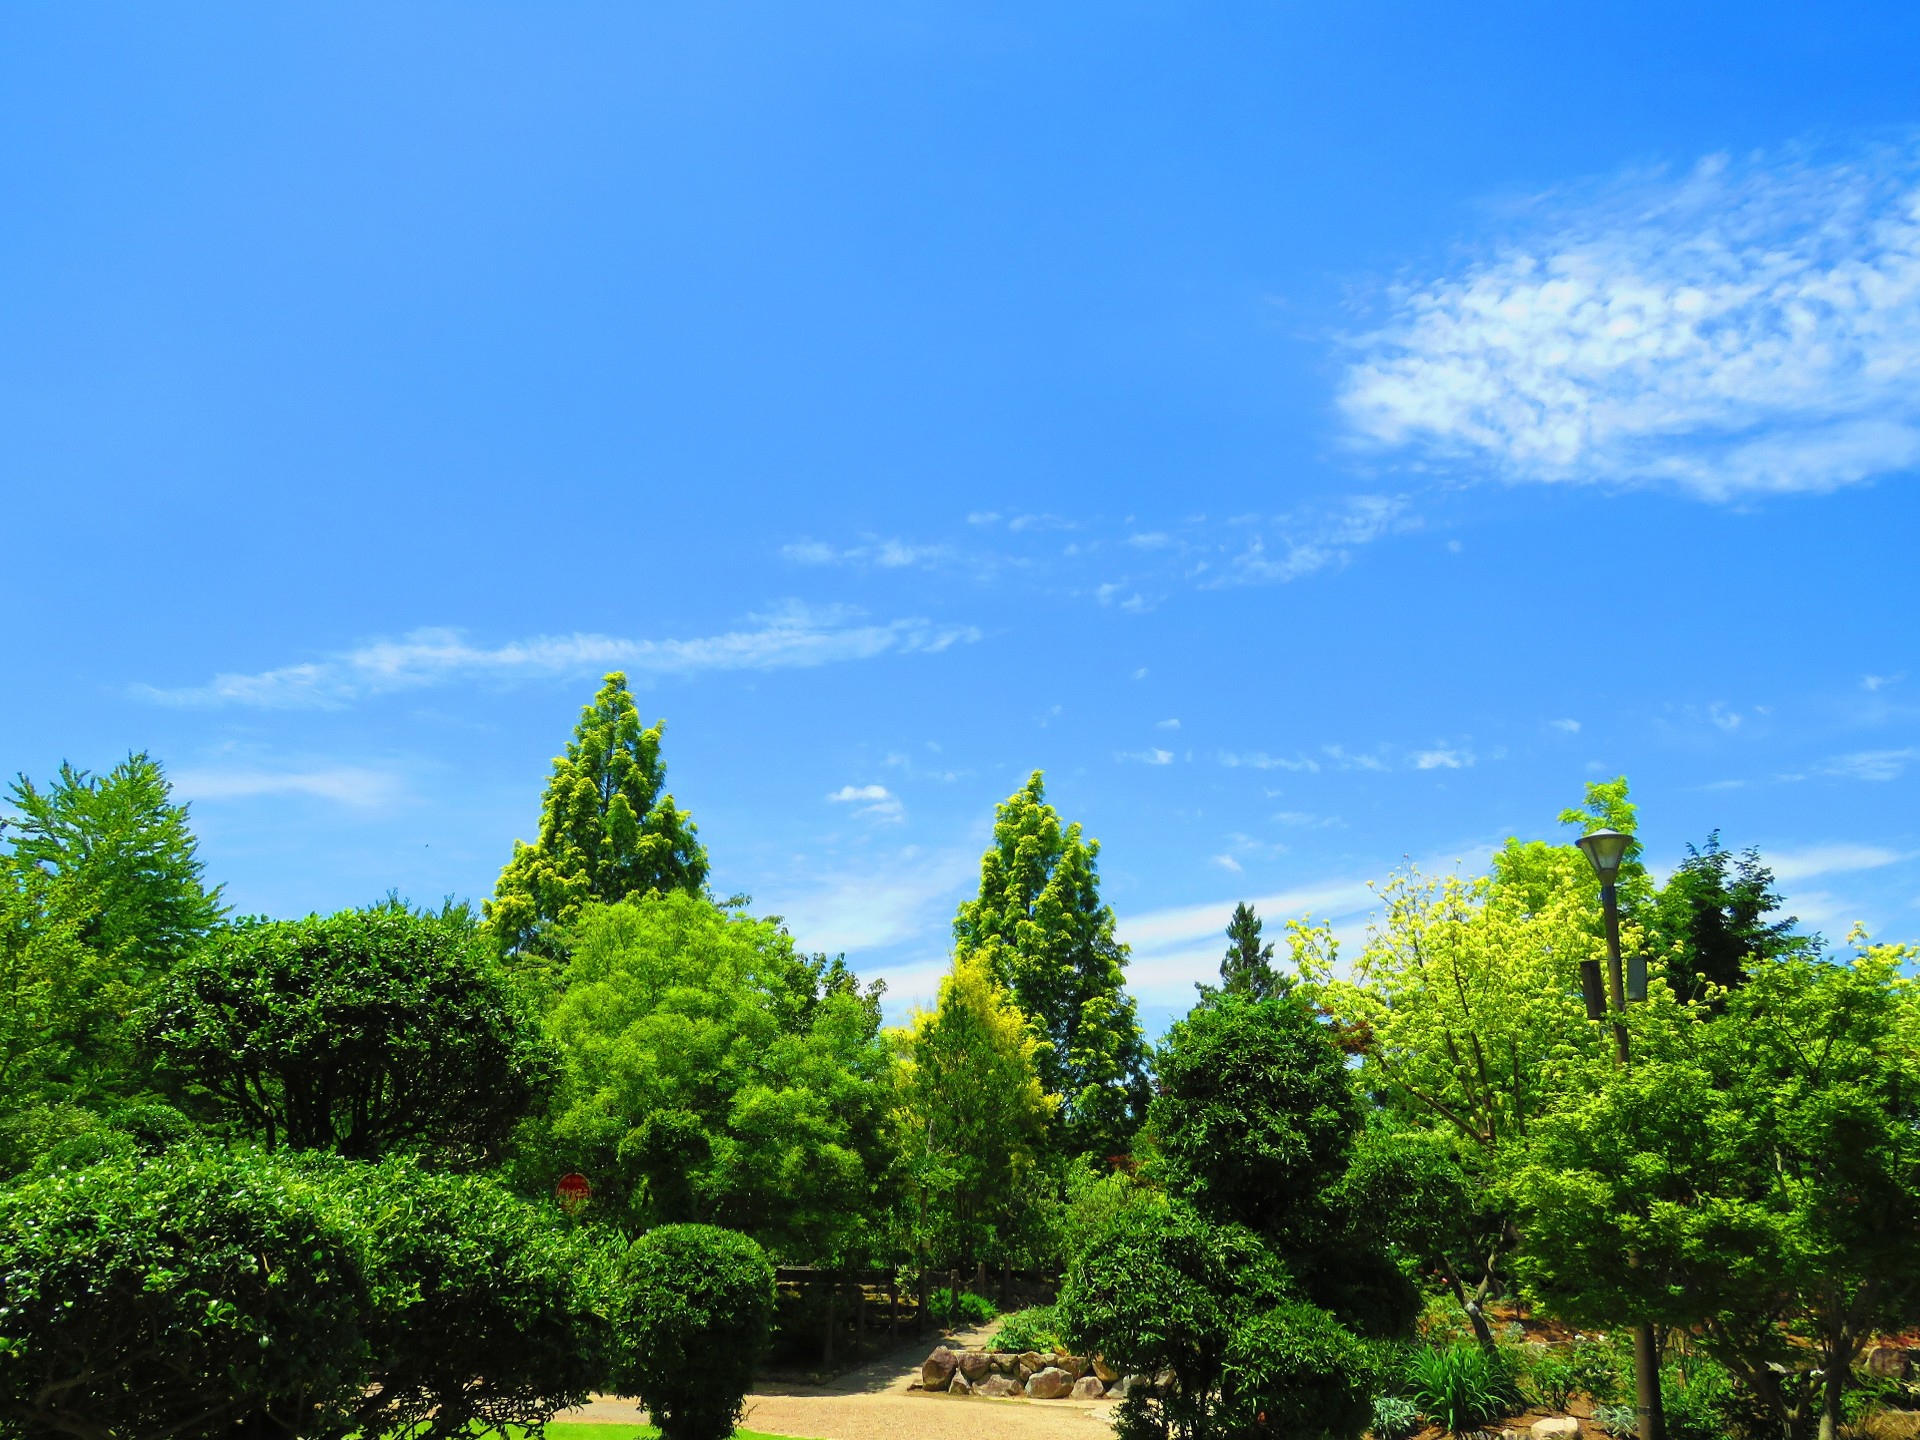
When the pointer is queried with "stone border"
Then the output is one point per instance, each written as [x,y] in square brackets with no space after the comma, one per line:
[1002,1374]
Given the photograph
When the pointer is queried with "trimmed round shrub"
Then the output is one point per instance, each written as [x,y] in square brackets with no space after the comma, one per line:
[1035,1328]
[1295,1371]
[693,1314]
[185,1295]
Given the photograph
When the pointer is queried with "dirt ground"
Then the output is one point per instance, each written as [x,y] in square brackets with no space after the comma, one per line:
[874,1403]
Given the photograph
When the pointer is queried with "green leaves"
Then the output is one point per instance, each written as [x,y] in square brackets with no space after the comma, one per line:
[713,1074]
[362,1033]
[1040,919]
[606,832]
[693,1311]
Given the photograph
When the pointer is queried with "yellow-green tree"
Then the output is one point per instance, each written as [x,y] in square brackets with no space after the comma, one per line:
[1465,1007]
[607,833]
[973,1112]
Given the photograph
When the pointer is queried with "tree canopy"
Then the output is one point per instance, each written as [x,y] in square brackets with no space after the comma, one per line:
[363,1032]
[1041,922]
[607,833]
[715,1075]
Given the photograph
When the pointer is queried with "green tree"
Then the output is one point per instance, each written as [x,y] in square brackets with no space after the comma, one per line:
[49,1012]
[694,1314]
[121,842]
[606,831]
[1248,968]
[1756,1179]
[364,1032]
[1259,1285]
[714,1075]
[1711,920]
[1050,938]
[973,1114]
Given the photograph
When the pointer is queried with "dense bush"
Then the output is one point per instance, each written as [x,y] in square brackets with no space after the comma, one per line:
[485,1309]
[693,1308]
[1461,1387]
[1036,1328]
[962,1307]
[364,1033]
[187,1297]
[1295,1371]
[1553,1381]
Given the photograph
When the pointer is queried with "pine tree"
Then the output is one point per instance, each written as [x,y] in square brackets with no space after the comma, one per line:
[606,831]
[1248,969]
[1712,916]
[1040,919]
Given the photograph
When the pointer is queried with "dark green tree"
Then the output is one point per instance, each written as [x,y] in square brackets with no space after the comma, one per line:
[1248,968]
[1711,917]
[1040,919]
[607,833]
[119,841]
[1261,1283]
[693,1311]
[363,1032]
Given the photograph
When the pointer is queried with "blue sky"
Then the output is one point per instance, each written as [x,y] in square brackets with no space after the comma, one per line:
[1317,436]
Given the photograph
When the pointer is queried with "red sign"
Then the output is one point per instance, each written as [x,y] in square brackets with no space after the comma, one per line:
[572,1191]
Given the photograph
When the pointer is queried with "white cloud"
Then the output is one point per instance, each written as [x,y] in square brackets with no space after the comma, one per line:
[1141,673]
[1442,759]
[1791,865]
[886,554]
[1745,328]
[1572,727]
[1260,760]
[1147,757]
[343,784]
[792,637]
[1167,725]
[1871,683]
[1872,764]
[1309,542]
[873,800]
[1227,863]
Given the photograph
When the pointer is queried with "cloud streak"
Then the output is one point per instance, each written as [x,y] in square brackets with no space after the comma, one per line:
[1742,329]
[793,637]
[350,785]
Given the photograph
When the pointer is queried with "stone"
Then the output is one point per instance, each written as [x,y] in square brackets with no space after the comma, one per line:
[1049,1382]
[1105,1371]
[959,1385]
[938,1368]
[1028,1361]
[1072,1364]
[1887,1362]
[1126,1385]
[975,1364]
[1166,1383]
[1557,1427]
[1088,1387]
[1002,1361]
[999,1387]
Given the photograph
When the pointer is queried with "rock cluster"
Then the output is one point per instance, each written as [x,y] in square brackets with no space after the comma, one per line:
[1003,1375]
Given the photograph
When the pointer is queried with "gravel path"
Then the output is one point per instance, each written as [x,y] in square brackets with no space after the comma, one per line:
[874,1403]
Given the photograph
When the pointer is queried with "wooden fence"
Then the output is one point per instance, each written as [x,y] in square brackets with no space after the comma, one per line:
[896,1303]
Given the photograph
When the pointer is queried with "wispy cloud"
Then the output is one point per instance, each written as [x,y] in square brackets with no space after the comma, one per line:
[1747,327]
[1153,756]
[875,801]
[351,785]
[1570,727]
[881,554]
[1260,760]
[1442,758]
[792,637]
[1871,764]
[1291,547]
[1791,865]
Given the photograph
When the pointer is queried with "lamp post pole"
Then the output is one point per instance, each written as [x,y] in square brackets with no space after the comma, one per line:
[1605,849]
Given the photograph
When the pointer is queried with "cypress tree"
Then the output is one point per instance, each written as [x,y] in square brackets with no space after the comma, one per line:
[606,831]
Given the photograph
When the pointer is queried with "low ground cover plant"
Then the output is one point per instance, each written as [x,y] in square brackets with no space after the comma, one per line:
[1461,1388]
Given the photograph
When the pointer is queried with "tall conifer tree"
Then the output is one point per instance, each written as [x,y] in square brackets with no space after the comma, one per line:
[1040,919]
[606,831]
[1248,969]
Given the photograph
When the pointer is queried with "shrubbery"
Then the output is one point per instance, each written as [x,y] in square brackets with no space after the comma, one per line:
[1038,1327]
[1461,1387]
[693,1313]
[960,1307]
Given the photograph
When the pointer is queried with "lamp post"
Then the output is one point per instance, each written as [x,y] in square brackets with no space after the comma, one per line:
[1605,849]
